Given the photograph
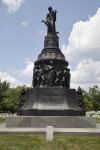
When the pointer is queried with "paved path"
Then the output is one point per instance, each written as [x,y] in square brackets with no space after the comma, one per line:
[60,131]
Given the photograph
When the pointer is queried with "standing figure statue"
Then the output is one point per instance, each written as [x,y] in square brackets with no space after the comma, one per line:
[50,21]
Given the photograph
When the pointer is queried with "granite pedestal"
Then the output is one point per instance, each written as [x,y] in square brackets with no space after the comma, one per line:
[51,101]
[55,121]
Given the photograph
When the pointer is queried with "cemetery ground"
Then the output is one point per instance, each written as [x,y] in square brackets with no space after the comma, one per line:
[38,142]
[98,120]
[2,120]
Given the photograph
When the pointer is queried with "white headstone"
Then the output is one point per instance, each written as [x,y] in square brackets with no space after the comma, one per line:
[49,133]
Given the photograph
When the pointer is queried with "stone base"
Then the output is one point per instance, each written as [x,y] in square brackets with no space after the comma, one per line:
[55,121]
[49,101]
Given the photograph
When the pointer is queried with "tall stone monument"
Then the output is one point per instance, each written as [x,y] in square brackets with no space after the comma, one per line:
[51,94]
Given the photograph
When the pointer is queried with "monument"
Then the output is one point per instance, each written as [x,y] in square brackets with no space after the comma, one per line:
[51,101]
[51,94]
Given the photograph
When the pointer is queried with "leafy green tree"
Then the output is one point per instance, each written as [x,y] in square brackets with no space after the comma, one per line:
[88,103]
[4,86]
[95,96]
[11,100]
[92,98]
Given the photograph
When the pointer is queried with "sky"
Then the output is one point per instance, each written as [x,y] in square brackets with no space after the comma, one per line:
[22,39]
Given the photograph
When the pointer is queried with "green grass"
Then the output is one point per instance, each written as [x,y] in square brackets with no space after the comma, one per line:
[2,120]
[98,120]
[38,142]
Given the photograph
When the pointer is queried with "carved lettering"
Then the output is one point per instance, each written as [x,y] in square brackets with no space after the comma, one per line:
[52,100]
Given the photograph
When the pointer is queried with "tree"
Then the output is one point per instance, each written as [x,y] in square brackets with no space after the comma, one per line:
[95,96]
[4,86]
[11,100]
[88,103]
[92,98]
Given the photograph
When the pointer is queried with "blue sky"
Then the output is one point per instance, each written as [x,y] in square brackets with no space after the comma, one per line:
[22,38]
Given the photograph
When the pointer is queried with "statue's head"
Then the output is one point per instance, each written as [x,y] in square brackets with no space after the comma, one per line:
[50,8]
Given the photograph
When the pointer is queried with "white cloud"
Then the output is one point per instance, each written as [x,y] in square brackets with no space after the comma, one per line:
[25,24]
[83,51]
[6,76]
[13,5]
[84,40]
[86,73]
[28,71]
[24,76]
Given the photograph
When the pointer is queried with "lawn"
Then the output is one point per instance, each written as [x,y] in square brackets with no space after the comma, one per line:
[38,142]
[2,120]
[98,120]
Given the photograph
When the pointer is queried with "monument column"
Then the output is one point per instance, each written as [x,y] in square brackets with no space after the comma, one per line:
[51,94]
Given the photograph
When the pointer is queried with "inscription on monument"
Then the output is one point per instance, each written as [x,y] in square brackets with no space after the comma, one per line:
[52,100]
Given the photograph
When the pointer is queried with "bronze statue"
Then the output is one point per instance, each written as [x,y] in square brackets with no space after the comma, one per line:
[51,94]
[50,21]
